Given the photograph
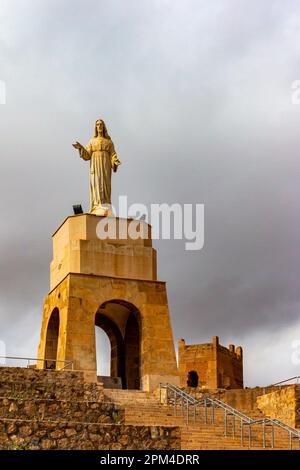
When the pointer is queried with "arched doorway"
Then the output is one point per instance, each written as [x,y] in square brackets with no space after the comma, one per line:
[52,340]
[193,379]
[121,322]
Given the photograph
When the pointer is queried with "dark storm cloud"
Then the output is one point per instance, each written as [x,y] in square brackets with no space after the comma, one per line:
[196,96]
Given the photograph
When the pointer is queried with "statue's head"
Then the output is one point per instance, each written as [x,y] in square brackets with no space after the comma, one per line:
[100,129]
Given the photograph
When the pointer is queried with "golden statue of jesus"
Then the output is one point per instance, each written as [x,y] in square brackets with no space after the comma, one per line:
[103,158]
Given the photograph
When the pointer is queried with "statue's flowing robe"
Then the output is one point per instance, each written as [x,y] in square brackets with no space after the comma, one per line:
[101,153]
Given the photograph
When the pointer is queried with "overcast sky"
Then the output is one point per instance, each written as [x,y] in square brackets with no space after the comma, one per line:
[196,96]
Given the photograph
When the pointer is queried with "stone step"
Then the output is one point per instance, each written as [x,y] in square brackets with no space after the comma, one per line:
[127,394]
[117,391]
[157,418]
[195,441]
[134,403]
[208,436]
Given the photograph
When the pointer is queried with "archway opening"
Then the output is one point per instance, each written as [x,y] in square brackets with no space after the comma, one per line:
[120,321]
[193,379]
[52,340]
[103,352]
[132,353]
[116,351]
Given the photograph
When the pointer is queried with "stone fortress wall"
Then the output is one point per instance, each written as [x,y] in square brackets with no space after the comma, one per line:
[210,365]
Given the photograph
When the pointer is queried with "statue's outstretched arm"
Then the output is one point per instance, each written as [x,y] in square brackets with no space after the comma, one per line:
[84,152]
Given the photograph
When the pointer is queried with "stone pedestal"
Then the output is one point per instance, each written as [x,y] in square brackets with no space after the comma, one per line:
[110,283]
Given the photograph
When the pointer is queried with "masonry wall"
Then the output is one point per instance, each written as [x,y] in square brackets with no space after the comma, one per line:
[199,358]
[40,435]
[229,367]
[47,409]
[283,404]
[243,399]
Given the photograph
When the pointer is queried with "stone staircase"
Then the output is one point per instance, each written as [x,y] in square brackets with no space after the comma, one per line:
[59,410]
[144,408]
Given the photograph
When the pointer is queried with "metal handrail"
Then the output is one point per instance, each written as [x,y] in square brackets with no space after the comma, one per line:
[285,426]
[284,381]
[67,363]
[180,396]
[232,410]
[220,403]
[182,392]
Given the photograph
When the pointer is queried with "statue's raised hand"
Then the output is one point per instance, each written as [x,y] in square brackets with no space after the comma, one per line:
[77,145]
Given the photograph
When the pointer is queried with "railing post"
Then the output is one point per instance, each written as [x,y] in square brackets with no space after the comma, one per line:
[291,442]
[195,411]
[205,411]
[264,434]
[182,406]
[272,436]
[167,394]
[175,404]
[213,413]
[225,417]
[160,393]
[233,425]
[187,411]
[249,434]
[242,432]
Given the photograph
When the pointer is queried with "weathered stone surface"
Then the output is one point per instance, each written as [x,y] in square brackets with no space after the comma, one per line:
[62,444]
[43,423]
[21,383]
[283,404]
[57,434]
[70,432]
[48,444]
[98,412]
[41,435]
[25,430]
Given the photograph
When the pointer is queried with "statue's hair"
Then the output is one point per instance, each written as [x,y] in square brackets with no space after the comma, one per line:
[105,133]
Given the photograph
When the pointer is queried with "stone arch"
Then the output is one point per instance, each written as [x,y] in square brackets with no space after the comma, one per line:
[121,321]
[52,340]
